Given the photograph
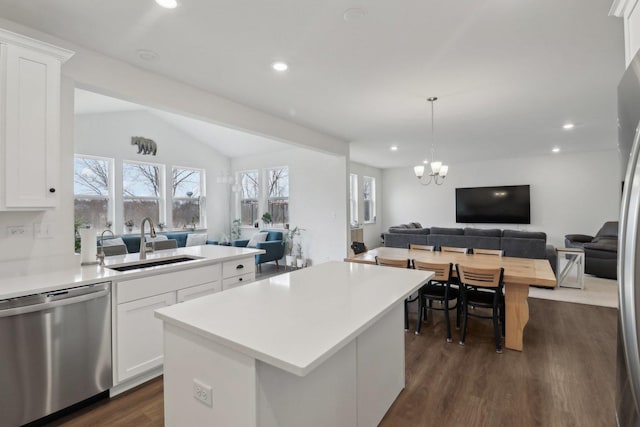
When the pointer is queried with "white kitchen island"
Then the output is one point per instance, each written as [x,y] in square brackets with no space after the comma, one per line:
[322,346]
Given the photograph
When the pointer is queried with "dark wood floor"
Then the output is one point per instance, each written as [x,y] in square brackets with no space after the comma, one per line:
[565,377]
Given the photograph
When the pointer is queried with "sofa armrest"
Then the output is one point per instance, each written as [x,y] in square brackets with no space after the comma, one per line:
[274,248]
[582,238]
[240,243]
[212,242]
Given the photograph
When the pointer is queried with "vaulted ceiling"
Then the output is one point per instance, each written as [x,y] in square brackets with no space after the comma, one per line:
[508,73]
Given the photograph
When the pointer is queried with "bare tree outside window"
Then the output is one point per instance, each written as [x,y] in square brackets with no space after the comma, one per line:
[141,188]
[187,189]
[369,193]
[91,178]
[278,195]
[249,197]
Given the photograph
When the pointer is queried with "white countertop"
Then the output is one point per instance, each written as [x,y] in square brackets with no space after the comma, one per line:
[27,284]
[295,321]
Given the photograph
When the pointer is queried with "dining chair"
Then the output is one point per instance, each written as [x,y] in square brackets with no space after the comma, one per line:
[421,247]
[481,288]
[454,249]
[114,250]
[164,244]
[399,263]
[438,289]
[496,252]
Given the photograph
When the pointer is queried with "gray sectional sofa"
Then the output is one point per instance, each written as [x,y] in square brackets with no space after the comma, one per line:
[521,244]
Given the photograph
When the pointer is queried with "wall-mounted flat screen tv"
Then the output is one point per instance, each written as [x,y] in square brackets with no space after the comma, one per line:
[494,205]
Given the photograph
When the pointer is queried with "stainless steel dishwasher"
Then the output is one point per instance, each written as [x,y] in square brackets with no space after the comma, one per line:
[55,351]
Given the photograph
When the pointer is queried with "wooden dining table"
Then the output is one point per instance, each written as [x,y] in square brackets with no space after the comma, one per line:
[519,274]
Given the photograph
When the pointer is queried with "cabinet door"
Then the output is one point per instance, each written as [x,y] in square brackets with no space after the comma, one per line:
[32,127]
[139,335]
[199,291]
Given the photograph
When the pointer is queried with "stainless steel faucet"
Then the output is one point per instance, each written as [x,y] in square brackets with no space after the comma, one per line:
[152,233]
[100,254]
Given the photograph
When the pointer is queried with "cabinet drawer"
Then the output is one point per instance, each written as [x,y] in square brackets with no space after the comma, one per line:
[233,282]
[238,267]
[199,291]
[130,290]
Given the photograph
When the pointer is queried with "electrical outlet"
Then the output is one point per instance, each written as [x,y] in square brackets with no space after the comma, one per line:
[202,392]
[16,231]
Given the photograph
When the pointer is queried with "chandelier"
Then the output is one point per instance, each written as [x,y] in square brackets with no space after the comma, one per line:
[438,170]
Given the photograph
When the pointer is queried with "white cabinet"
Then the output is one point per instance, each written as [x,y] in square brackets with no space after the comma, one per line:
[237,273]
[139,335]
[198,291]
[30,112]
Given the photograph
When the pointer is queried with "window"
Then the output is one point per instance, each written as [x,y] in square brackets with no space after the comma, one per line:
[141,192]
[353,199]
[249,197]
[92,191]
[186,192]
[369,193]
[278,195]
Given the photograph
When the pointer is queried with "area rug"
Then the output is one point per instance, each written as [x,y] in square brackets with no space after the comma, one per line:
[597,291]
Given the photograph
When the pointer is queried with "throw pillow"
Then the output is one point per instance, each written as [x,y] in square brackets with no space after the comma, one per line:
[157,238]
[194,239]
[257,238]
[113,242]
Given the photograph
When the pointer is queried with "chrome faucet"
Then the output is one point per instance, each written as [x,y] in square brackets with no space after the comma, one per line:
[152,233]
[100,254]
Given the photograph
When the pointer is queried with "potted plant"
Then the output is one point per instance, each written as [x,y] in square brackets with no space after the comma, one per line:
[266,219]
[235,229]
[288,242]
[129,224]
[161,226]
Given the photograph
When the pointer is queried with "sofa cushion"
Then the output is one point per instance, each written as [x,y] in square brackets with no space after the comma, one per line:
[524,248]
[447,231]
[525,234]
[415,225]
[257,238]
[606,245]
[196,239]
[402,240]
[495,232]
[479,242]
[180,236]
[609,229]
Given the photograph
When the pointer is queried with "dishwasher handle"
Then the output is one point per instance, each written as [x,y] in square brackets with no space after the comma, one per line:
[58,303]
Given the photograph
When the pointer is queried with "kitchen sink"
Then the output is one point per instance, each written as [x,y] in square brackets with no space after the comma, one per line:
[151,263]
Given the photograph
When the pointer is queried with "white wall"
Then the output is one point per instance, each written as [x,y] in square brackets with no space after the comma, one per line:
[93,71]
[570,193]
[317,198]
[371,231]
[109,135]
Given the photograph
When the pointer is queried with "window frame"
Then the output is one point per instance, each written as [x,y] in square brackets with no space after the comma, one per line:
[238,175]
[354,219]
[268,199]
[372,200]
[110,197]
[161,198]
[202,223]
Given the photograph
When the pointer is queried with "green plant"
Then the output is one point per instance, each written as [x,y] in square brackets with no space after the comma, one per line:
[77,223]
[289,237]
[266,218]
[235,229]
[129,223]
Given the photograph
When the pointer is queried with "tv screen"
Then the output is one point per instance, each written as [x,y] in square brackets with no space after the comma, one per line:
[495,205]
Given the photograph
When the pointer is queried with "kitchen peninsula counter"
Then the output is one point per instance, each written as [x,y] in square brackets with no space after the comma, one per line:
[25,283]
[319,346]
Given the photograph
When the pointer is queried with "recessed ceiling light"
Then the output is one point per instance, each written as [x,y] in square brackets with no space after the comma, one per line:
[556,149]
[353,14]
[280,66]
[425,162]
[147,55]
[393,148]
[168,4]
[568,126]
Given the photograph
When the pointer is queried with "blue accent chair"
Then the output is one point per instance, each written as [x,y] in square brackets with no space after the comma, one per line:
[274,247]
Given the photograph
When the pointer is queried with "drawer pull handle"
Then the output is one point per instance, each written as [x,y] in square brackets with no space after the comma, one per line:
[240,279]
[52,190]
[239,266]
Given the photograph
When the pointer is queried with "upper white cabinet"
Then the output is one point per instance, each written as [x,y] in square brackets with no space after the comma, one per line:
[30,122]
[629,11]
